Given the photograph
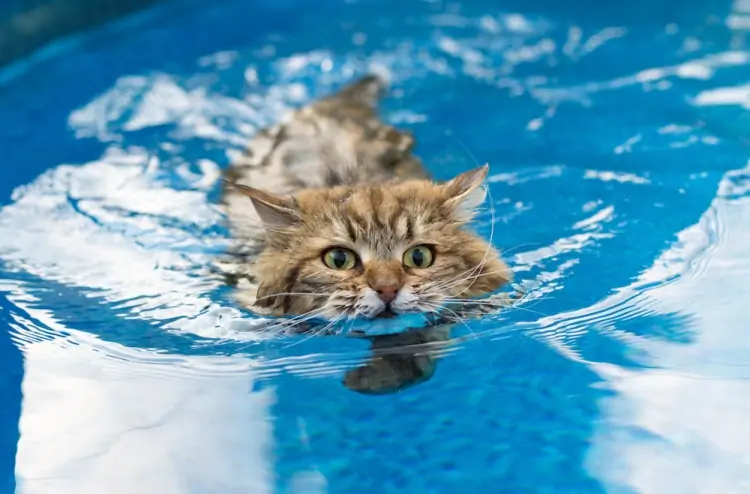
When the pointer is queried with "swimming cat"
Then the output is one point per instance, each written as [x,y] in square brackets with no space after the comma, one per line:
[334,217]
[341,219]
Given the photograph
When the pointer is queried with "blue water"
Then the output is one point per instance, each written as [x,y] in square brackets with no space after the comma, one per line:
[617,139]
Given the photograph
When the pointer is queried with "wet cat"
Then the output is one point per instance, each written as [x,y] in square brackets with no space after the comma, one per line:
[342,221]
[334,217]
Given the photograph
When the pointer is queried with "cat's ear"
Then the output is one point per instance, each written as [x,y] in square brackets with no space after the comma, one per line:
[465,192]
[275,212]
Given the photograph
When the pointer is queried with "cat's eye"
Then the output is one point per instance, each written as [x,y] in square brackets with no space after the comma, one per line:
[339,258]
[419,257]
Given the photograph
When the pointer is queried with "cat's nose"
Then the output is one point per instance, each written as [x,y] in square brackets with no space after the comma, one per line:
[386,278]
[387,292]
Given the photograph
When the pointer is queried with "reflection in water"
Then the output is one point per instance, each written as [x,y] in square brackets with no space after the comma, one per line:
[681,426]
[81,244]
[398,361]
[94,423]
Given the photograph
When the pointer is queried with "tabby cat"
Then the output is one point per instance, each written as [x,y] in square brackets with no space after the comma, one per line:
[341,220]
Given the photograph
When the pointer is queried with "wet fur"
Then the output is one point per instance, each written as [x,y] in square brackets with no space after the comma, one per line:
[334,175]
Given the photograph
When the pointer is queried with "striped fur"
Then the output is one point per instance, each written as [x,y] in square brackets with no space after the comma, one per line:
[369,195]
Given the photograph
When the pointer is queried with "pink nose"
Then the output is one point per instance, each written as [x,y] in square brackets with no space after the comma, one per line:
[387,292]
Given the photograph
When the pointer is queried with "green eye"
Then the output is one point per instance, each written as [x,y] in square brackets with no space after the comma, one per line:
[338,258]
[419,257]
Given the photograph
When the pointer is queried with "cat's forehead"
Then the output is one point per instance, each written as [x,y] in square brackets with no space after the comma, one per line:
[373,237]
[380,221]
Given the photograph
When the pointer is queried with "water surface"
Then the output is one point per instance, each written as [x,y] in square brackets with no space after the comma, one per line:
[618,144]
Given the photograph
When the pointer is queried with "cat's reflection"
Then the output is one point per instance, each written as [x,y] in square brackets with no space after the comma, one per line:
[399,361]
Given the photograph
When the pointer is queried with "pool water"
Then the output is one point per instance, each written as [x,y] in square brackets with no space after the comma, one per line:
[618,142]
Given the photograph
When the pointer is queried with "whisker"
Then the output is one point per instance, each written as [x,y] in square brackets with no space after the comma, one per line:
[502,297]
[532,311]
[498,303]
[473,311]
[514,249]
[291,322]
[460,275]
[492,218]
[476,307]
[316,332]
[462,321]
[481,263]
[293,293]
[445,286]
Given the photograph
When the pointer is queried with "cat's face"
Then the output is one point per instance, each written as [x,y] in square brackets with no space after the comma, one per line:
[374,251]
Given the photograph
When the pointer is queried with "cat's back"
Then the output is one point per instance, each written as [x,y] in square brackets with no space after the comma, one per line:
[337,140]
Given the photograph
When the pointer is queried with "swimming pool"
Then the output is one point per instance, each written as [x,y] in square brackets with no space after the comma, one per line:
[617,140]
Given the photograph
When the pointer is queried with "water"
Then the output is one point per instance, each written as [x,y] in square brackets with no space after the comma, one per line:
[617,137]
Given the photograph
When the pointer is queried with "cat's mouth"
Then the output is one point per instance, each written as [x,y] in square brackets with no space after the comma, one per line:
[386,314]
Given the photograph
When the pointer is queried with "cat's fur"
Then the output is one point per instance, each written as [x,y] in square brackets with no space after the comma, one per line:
[335,175]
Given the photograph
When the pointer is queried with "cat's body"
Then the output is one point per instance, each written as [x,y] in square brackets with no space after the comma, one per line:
[333,216]
[343,221]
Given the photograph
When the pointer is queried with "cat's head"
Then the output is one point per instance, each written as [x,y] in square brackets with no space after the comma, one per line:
[374,250]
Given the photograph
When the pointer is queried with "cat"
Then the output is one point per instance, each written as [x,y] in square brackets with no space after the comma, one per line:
[342,221]
[333,216]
